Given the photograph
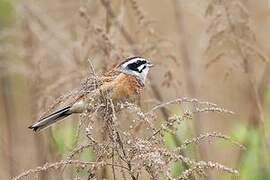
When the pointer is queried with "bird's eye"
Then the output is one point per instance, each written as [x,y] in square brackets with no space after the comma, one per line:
[140,62]
[143,62]
[137,65]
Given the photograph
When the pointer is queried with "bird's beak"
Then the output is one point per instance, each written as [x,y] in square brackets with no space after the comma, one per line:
[150,64]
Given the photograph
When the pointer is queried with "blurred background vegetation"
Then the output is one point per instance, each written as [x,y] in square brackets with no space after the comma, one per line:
[211,50]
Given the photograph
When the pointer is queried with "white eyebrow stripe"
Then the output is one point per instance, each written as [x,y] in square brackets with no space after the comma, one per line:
[141,67]
[132,61]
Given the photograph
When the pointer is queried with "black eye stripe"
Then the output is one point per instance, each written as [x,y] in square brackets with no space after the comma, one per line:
[141,62]
[134,66]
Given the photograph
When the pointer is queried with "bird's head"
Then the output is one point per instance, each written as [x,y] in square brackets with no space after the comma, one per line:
[136,66]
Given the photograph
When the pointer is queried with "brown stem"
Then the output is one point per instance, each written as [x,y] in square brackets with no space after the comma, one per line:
[125,156]
[34,92]
[10,112]
[257,118]
[187,74]
[130,41]
[122,29]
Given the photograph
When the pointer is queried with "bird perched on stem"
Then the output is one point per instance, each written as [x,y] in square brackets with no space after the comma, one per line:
[122,83]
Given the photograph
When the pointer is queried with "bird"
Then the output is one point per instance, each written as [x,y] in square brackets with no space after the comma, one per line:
[122,83]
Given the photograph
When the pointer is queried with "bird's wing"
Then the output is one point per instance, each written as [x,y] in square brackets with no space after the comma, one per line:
[88,86]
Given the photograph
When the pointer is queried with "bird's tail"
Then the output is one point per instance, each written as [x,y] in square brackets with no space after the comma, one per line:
[51,119]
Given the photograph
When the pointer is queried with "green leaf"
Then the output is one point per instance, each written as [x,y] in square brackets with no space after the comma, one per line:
[6,13]
[64,138]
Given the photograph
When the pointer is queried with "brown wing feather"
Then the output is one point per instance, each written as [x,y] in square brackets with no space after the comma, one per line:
[125,86]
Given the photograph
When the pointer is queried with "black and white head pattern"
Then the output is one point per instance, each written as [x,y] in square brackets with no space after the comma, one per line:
[136,66]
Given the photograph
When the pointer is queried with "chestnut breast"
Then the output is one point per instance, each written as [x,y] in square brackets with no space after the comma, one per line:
[126,87]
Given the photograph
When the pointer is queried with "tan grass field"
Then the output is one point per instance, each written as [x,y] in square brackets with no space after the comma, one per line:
[206,98]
